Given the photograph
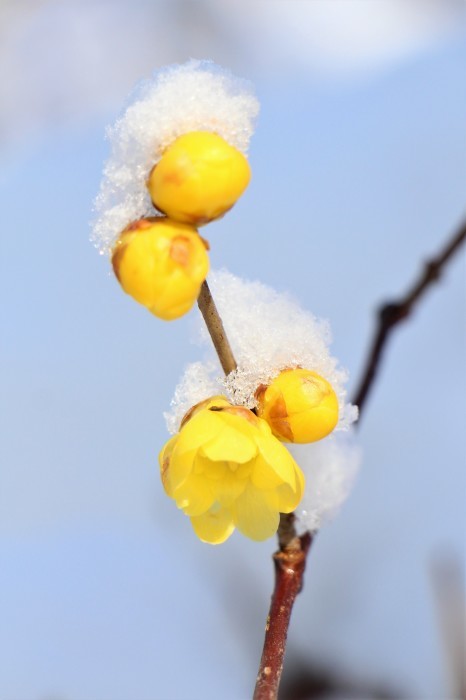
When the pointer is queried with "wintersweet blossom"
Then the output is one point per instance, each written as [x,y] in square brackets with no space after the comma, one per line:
[198,178]
[225,469]
[299,405]
[161,264]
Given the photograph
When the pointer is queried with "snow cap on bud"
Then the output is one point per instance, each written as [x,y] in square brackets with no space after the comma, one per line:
[199,178]
[299,405]
[162,265]
[178,101]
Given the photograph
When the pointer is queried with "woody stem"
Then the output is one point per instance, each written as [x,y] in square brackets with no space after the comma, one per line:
[215,327]
[289,562]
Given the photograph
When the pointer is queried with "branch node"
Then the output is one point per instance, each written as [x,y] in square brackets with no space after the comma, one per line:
[393,312]
[433,270]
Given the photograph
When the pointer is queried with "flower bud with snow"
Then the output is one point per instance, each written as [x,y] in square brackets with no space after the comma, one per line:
[299,405]
[183,135]
[270,331]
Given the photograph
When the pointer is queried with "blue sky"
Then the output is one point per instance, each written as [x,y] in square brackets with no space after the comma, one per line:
[106,592]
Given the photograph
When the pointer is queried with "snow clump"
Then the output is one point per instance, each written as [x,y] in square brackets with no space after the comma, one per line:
[195,96]
[268,332]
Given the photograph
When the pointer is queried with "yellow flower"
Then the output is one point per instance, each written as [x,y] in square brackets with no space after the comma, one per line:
[299,405]
[225,469]
[162,264]
[199,178]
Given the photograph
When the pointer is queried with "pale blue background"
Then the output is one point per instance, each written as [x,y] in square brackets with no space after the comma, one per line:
[105,592]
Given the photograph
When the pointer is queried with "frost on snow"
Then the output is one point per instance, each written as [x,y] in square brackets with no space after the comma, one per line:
[268,332]
[195,96]
[330,467]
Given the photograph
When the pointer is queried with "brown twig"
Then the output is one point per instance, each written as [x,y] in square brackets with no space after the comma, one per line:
[215,327]
[390,314]
[289,562]
[290,559]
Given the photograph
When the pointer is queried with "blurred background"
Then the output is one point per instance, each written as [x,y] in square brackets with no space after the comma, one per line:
[359,167]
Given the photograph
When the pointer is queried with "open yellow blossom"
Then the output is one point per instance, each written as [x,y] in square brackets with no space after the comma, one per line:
[299,405]
[162,264]
[199,178]
[225,469]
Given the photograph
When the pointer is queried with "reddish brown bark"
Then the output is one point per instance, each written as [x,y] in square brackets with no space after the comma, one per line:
[290,559]
[289,562]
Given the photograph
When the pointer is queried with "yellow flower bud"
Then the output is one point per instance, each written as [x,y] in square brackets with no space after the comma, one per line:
[299,405]
[225,469]
[161,264]
[199,178]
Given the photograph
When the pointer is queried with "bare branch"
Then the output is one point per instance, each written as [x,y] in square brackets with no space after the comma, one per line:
[391,313]
[215,327]
[290,559]
[289,562]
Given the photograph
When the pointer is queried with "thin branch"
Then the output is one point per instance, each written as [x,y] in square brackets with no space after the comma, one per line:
[290,559]
[215,327]
[289,562]
[390,314]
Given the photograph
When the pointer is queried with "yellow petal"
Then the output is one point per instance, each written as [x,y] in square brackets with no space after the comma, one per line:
[195,495]
[211,470]
[228,488]
[213,527]
[289,498]
[300,481]
[164,461]
[231,445]
[256,513]
[181,465]
[214,401]
[263,476]
[199,430]
[278,458]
